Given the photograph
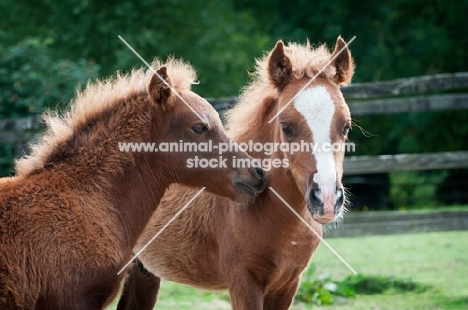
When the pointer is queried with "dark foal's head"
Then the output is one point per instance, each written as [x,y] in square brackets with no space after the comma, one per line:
[317,114]
[190,124]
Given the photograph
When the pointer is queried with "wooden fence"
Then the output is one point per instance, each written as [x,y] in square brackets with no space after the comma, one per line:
[357,95]
[414,95]
[359,224]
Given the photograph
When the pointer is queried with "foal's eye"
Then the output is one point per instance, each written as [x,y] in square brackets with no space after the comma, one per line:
[287,130]
[199,129]
[346,128]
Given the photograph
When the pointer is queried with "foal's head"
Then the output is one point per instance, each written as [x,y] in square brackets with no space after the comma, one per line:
[317,114]
[188,122]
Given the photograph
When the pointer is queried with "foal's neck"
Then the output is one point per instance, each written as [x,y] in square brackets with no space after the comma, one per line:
[137,191]
[131,182]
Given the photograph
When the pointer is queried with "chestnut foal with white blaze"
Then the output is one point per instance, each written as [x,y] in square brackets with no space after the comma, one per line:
[258,251]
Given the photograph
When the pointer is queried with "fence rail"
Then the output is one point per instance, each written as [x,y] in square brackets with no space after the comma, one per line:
[358,95]
[385,105]
[408,86]
[391,223]
[20,130]
[387,163]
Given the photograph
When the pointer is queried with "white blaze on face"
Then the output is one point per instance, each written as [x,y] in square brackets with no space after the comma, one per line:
[317,107]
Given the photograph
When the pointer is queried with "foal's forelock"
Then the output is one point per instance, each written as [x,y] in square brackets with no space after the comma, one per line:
[315,104]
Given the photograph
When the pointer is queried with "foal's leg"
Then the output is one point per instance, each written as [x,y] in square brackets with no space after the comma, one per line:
[140,290]
[282,299]
[245,292]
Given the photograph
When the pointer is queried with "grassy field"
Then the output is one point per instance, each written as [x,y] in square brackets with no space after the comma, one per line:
[436,259]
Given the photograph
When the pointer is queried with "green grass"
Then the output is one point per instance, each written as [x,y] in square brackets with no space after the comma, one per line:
[181,297]
[438,260]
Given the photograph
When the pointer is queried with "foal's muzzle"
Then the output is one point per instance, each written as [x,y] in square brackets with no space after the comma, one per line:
[254,185]
[325,204]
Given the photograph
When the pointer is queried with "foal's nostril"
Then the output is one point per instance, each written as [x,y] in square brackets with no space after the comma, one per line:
[315,197]
[260,173]
[339,197]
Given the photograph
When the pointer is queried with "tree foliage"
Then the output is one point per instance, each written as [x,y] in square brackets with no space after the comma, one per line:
[395,39]
[31,80]
[220,42]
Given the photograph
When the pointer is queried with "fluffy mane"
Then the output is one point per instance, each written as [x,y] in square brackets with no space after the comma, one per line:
[306,62]
[94,99]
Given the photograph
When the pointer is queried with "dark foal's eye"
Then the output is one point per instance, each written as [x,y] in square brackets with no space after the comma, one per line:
[199,129]
[287,130]
[346,128]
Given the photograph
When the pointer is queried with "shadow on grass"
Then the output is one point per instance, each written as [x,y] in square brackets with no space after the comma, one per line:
[324,291]
[370,284]
[454,303]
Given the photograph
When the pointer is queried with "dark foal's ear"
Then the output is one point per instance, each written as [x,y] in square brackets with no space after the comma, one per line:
[279,66]
[159,91]
[343,63]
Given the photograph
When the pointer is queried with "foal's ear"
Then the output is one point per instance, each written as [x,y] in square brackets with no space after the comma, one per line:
[343,62]
[159,91]
[279,66]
